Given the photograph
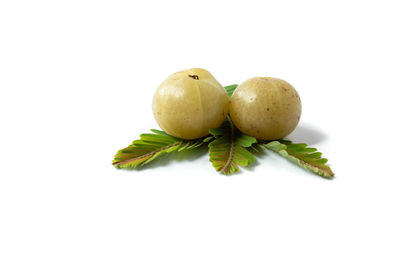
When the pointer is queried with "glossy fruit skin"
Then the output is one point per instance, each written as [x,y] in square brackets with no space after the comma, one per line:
[265,108]
[190,102]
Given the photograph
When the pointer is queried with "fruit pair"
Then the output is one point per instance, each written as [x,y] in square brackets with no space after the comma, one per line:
[190,102]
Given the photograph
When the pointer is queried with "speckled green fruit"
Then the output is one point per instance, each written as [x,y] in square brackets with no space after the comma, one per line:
[190,102]
[265,108]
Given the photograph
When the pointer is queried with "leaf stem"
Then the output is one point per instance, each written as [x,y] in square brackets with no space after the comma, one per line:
[230,158]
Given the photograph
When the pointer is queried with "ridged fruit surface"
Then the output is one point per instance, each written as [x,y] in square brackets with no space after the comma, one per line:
[190,102]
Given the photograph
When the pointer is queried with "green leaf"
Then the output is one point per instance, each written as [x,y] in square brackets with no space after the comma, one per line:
[228,151]
[300,154]
[218,131]
[150,147]
[208,139]
[230,89]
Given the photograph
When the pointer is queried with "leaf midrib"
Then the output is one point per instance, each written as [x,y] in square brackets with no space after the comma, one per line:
[230,158]
[329,174]
[147,154]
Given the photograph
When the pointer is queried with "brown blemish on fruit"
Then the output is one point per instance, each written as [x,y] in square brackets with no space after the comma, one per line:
[195,77]
[267,109]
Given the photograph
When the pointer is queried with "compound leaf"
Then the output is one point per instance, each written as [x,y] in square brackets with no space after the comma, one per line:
[300,154]
[149,147]
[229,150]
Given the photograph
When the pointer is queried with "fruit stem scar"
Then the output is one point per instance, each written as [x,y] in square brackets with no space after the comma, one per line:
[196,77]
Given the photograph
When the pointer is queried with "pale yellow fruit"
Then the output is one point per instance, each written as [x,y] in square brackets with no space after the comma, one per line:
[265,108]
[190,102]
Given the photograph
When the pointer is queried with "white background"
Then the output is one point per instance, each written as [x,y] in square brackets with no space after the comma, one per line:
[77,80]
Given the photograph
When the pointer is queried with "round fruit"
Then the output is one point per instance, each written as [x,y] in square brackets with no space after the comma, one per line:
[190,102]
[265,108]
